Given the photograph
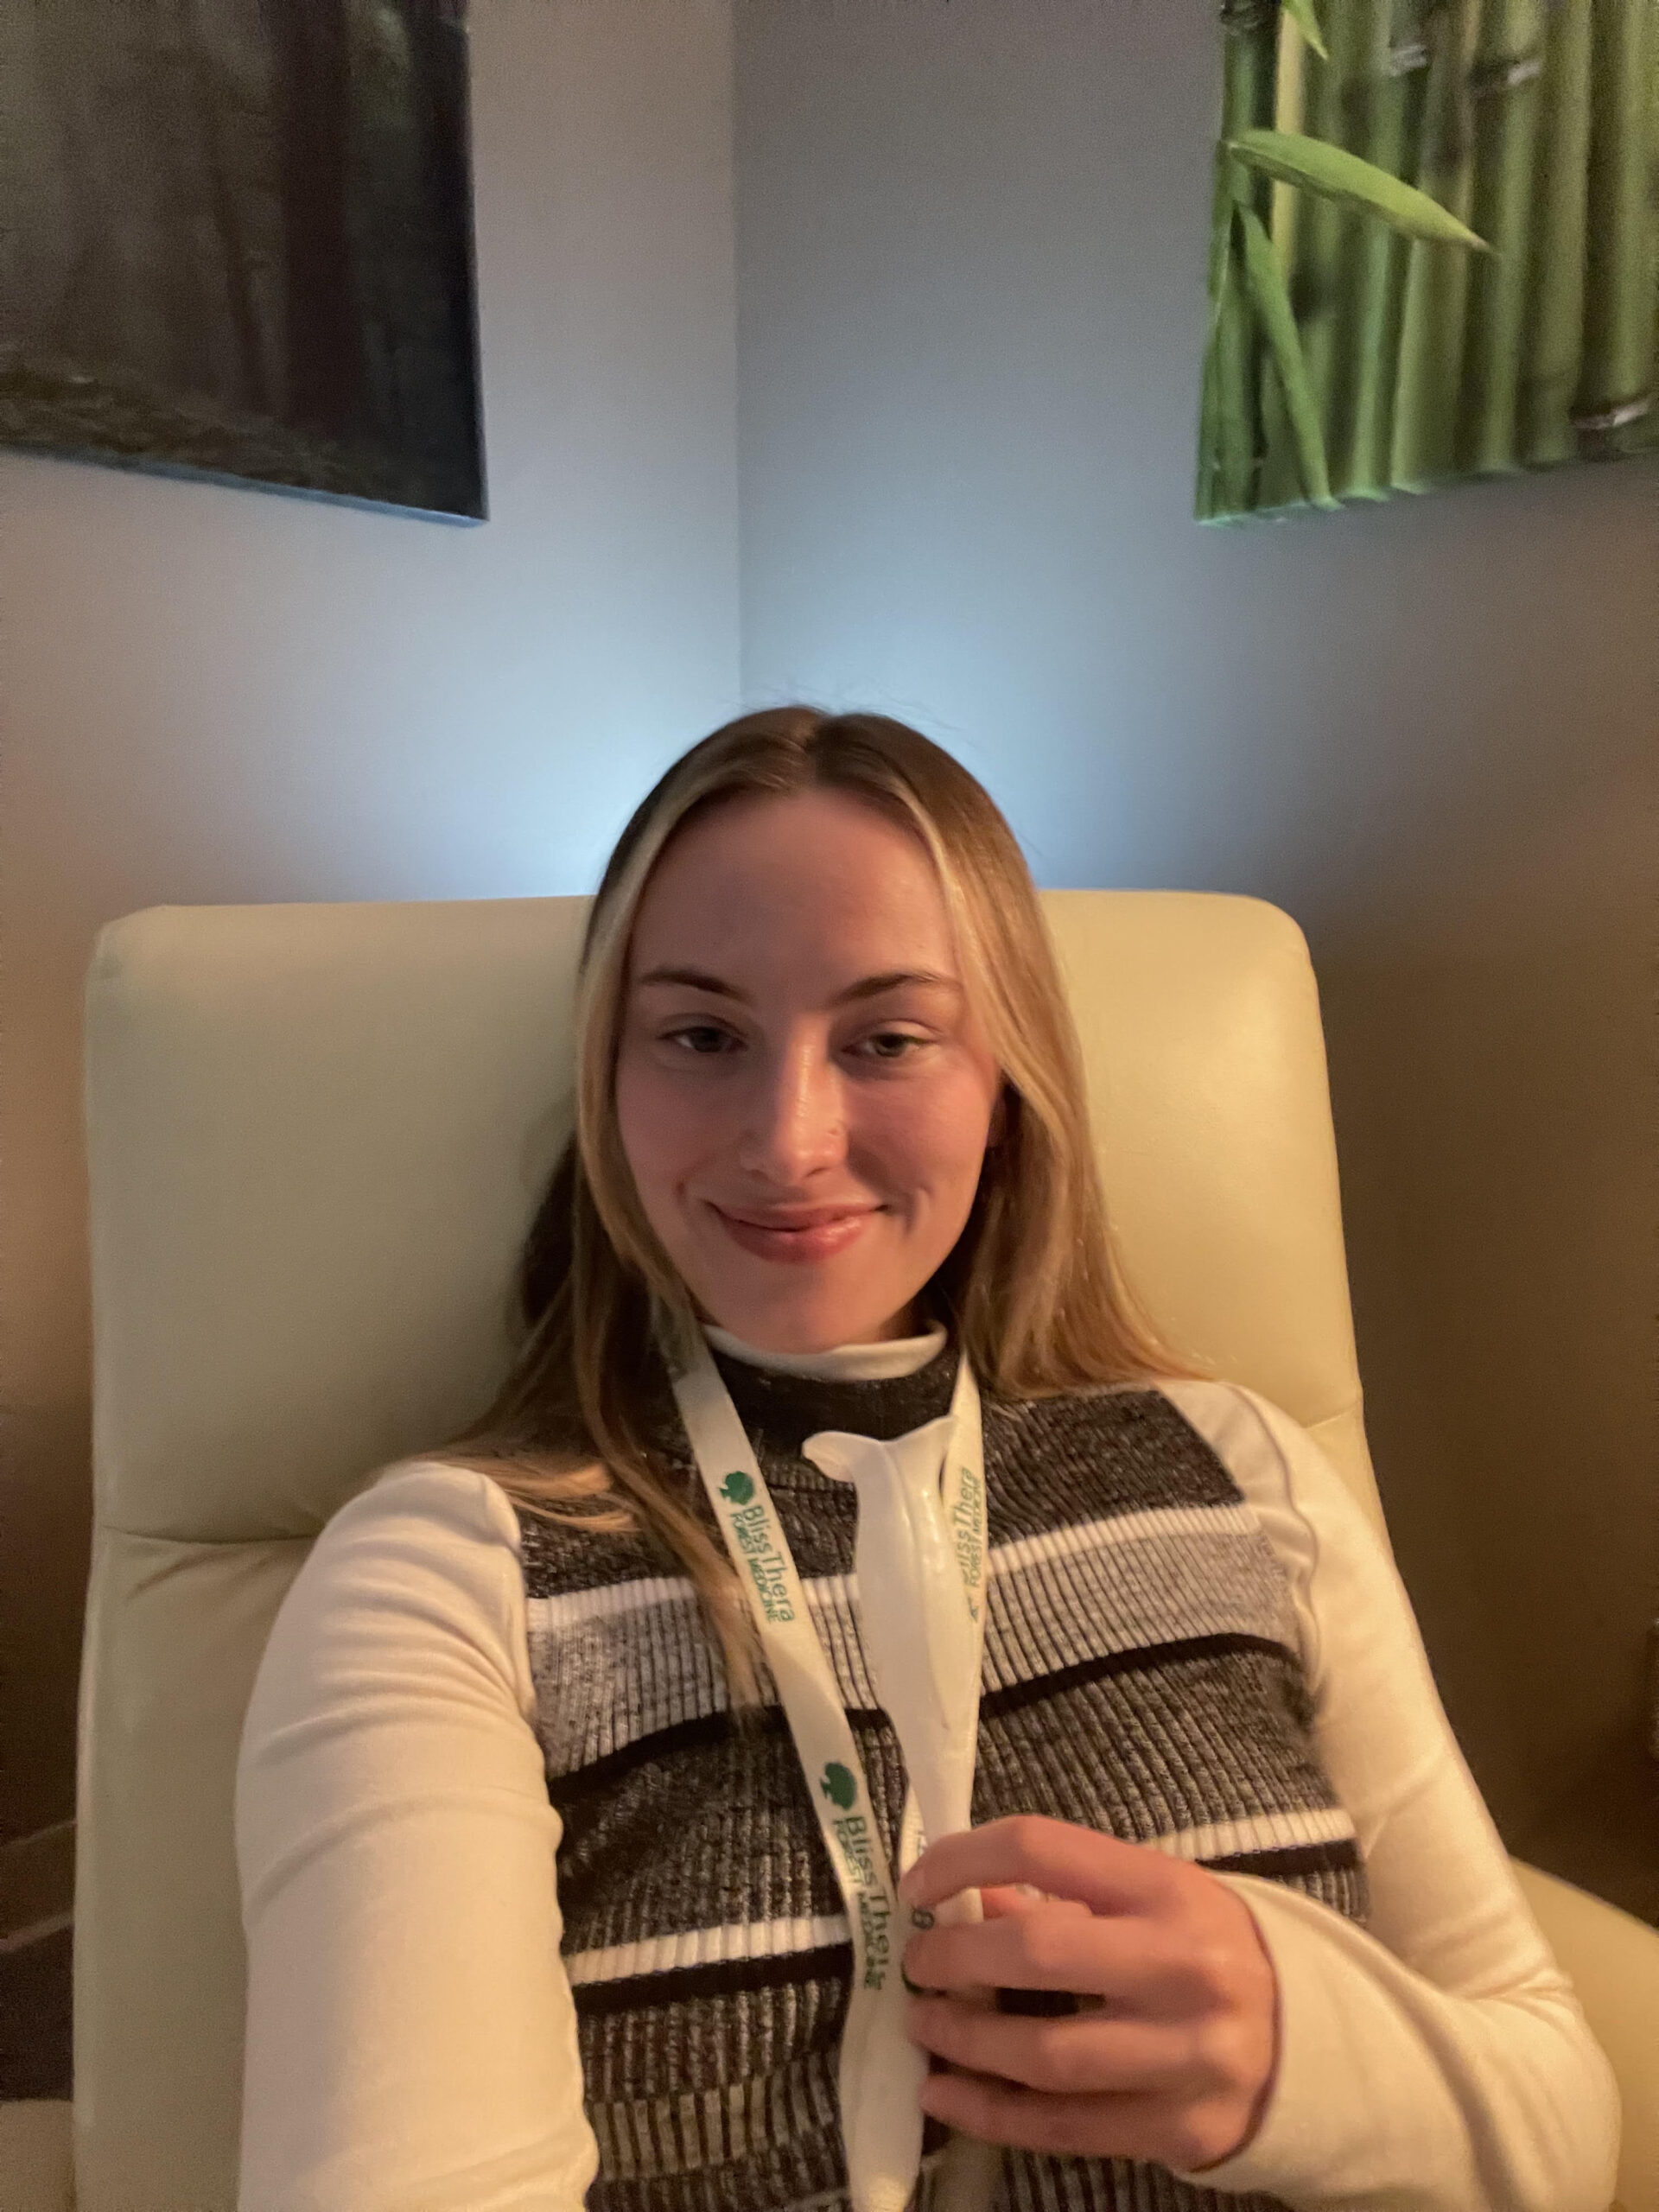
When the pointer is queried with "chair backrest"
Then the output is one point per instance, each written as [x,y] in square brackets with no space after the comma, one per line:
[316,1136]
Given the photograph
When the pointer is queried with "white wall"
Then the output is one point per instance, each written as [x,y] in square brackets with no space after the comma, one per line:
[971,241]
[226,695]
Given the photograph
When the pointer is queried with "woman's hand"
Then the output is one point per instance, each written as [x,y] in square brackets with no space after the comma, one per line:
[1171,2061]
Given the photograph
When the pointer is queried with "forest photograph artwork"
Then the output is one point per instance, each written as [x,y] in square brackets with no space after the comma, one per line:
[1434,246]
[238,243]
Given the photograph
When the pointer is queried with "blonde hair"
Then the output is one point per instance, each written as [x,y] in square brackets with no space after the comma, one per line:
[1032,1292]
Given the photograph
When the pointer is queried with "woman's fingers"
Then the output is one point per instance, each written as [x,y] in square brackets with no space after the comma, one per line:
[1129,2126]
[1089,2054]
[1059,1857]
[1131,1962]
[996,2111]
[1042,1947]
[1004,1897]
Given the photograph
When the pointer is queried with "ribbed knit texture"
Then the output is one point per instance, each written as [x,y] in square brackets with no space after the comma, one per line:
[1140,1677]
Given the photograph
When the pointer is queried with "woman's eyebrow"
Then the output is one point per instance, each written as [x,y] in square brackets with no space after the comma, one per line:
[692,979]
[871,986]
[868,987]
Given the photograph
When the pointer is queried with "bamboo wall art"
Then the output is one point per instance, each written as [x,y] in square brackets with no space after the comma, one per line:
[1434,246]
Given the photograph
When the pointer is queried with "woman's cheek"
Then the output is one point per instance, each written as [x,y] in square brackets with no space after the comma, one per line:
[950,1136]
[937,1150]
[654,1129]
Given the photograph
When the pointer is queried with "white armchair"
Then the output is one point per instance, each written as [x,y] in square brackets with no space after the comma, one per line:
[317,1134]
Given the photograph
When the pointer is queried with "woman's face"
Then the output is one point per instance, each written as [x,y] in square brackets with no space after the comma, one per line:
[803,1092]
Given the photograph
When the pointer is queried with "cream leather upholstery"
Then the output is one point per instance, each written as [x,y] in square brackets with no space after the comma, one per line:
[316,1136]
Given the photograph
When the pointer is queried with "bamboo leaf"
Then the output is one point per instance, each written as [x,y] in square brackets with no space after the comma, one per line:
[1301,14]
[1277,320]
[1336,174]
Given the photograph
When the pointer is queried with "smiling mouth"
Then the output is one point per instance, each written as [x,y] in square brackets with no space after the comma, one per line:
[801,1237]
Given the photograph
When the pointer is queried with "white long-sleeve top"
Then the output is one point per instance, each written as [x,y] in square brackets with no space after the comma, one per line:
[412,2037]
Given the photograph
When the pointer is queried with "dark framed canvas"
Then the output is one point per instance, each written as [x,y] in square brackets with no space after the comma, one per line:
[1435,247]
[240,243]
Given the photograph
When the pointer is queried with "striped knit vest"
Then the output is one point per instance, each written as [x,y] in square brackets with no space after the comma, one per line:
[1141,1676]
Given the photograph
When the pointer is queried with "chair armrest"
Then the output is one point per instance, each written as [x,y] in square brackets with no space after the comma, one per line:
[36,2161]
[1612,1960]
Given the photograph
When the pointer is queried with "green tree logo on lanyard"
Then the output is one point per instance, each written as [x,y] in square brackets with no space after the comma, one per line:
[738,1488]
[838,1786]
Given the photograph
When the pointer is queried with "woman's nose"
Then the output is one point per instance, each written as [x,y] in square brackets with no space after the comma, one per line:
[797,1120]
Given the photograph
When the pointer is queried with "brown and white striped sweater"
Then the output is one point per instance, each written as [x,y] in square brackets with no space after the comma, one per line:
[1141,1676]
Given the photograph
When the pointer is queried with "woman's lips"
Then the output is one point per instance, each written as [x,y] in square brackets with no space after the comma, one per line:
[820,1238]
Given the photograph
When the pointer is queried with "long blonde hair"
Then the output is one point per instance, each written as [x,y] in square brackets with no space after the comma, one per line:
[1032,1292]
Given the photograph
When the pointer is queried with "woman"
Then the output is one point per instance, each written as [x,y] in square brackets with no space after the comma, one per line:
[546,1894]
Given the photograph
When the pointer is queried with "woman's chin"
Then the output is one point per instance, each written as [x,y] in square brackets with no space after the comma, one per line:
[765,1333]
[806,1324]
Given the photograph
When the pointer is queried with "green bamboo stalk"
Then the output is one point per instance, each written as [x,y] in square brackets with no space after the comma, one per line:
[1422,447]
[1289,72]
[1282,479]
[1272,303]
[1380,100]
[1229,424]
[1207,502]
[1645,434]
[1234,390]
[1616,381]
[1552,347]
[1505,86]
[1352,26]
[1324,225]
[1236,385]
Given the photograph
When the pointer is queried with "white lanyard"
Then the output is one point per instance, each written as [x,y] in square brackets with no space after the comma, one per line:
[881,2070]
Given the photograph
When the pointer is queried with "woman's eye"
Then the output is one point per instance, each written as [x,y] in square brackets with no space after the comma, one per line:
[892,1044]
[701,1037]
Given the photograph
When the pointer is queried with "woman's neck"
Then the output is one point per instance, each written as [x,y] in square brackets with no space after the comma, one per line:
[871,1363]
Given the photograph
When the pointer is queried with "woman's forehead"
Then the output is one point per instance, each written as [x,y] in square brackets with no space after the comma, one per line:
[767,878]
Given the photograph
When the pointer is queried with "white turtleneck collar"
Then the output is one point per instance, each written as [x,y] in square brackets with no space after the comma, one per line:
[876,1362]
